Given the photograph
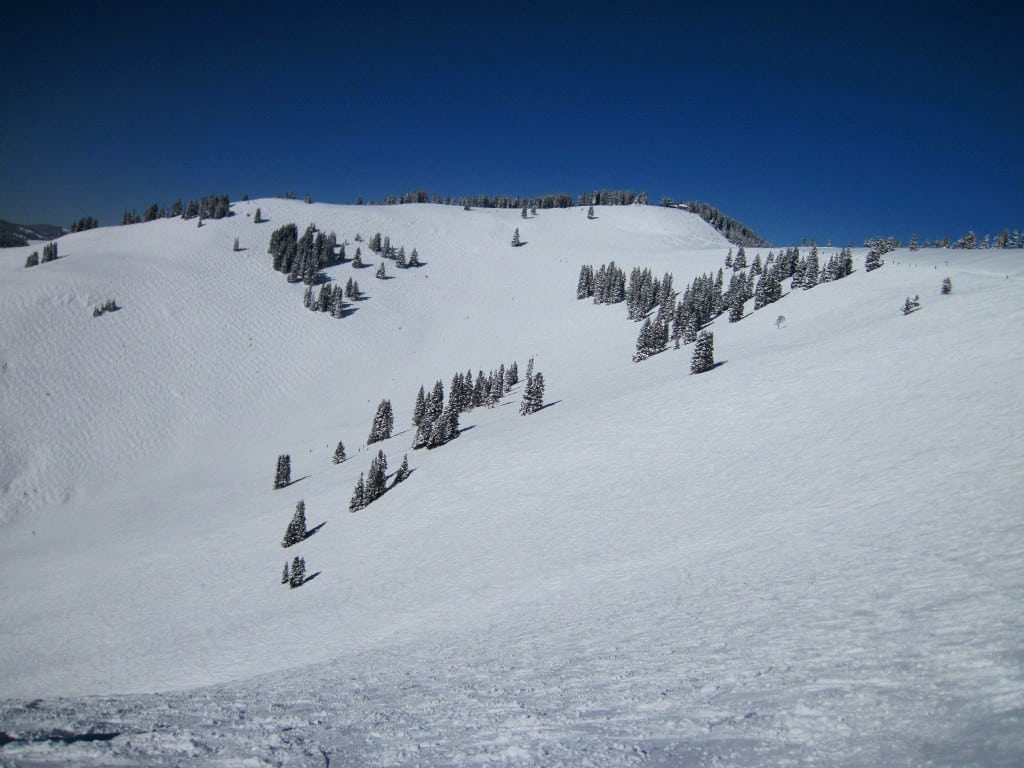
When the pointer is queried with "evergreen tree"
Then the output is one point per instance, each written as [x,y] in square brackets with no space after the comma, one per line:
[524,212]
[516,242]
[32,260]
[873,261]
[533,396]
[947,286]
[376,478]
[740,262]
[414,259]
[383,422]
[358,500]
[257,219]
[512,375]
[419,409]
[357,261]
[297,527]
[703,353]
[403,470]
[736,308]
[911,304]
[298,576]
[286,576]
[590,212]
[339,453]
[380,275]
[236,247]
[283,475]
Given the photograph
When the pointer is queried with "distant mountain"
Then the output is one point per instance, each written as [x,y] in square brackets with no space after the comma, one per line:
[12,234]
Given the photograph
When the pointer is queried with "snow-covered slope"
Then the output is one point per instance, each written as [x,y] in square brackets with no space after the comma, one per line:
[813,552]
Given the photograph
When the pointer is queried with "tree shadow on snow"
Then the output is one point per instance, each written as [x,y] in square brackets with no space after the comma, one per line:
[547,405]
[310,578]
[719,364]
[387,277]
[293,482]
[312,531]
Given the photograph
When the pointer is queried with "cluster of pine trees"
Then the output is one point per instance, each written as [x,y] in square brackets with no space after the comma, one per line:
[1004,239]
[373,485]
[607,285]
[557,200]
[209,207]
[382,247]
[302,258]
[436,422]
[49,254]
[84,223]
[330,299]
[682,319]
[108,306]
[295,577]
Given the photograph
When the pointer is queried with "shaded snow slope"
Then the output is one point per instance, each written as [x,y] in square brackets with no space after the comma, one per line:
[813,552]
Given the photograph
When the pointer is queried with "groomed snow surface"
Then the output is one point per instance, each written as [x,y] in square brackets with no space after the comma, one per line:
[811,555]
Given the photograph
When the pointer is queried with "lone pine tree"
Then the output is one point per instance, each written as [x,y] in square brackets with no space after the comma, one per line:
[296,531]
[284,471]
[339,453]
[516,242]
[703,353]
[383,422]
[947,286]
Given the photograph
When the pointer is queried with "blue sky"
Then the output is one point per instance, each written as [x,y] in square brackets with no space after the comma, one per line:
[797,119]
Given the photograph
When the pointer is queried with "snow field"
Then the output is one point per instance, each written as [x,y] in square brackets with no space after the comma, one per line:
[811,554]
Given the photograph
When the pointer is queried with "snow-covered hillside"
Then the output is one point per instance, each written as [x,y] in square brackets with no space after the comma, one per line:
[813,553]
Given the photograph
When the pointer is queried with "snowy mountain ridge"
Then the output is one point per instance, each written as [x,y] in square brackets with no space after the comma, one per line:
[622,577]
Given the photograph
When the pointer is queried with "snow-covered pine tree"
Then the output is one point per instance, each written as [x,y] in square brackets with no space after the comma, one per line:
[414,259]
[590,212]
[358,500]
[533,396]
[286,577]
[740,262]
[383,422]
[236,247]
[523,213]
[911,304]
[873,260]
[283,476]
[380,274]
[736,307]
[703,353]
[298,576]
[516,242]
[296,531]
[339,453]
[644,342]
[512,375]
[376,478]
[357,260]
[32,260]
[403,469]
[947,286]
[258,218]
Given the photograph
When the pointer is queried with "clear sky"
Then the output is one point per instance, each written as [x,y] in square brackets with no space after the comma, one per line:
[798,119]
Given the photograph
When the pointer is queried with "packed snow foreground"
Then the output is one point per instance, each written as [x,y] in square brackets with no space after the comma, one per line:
[812,553]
